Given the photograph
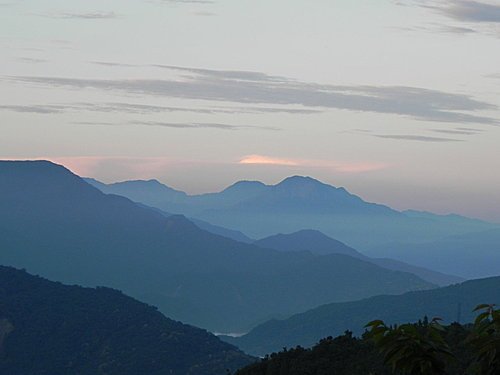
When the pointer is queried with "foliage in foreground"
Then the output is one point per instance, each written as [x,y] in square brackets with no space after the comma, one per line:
[423,348]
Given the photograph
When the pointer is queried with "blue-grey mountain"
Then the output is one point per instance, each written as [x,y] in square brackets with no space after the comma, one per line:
[260,210]
[469,255]
[451,303]
[318,243]
[55,224]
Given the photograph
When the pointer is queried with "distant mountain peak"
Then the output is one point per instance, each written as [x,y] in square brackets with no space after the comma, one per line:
[300,180]
[311,232]
[141,182]
[306,181]
[143,187]
[304,186]
[308,240]
[245,184]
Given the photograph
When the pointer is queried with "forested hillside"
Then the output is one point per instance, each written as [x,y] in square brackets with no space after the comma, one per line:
[51,328]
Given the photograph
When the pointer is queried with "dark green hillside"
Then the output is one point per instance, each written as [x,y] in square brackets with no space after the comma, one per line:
[51,328]
[451,303]
[56,225]
[343,355]
[349,355]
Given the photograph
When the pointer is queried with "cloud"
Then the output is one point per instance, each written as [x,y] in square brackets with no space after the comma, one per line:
[201,125]
[30,60]
[40,109]
[477,16]
[419,138]
[456,29]
[178,125]
[471,11]
[138,167]
[238,75]
[95,123]
[117,167]
[255,88]
[82,15]
[204,14]
[270,110]
[260,159]
[494,76]
[439,28]
[113,64]
[342,167]
[186,1]
[458,131]
[136,108]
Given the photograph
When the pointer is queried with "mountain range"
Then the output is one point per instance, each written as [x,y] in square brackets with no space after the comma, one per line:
[319,243]
[51,328]
[297,203]
[55,224]
[451,303]
[469,255]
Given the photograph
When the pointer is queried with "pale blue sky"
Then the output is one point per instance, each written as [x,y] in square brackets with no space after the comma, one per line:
[395,100]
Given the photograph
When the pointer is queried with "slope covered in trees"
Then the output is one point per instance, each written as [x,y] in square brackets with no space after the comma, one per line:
[452,303]
[349,355]
[51,328]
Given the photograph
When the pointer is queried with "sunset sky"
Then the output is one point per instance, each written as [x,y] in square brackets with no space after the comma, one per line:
[397,101]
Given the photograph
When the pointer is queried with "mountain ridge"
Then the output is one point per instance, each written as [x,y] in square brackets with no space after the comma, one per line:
[451,303]
[319,243]
[287,205]
[65,229]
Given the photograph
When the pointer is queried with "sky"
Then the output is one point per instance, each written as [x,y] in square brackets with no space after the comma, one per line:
[397,101]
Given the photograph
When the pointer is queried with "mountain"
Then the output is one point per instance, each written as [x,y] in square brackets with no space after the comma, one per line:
[435,277]
[307,240]
[55,224]
[469,255]
[238,192]
[221,231]
[51,328]
[458,220]
[150,192]
[215,229]
[350,355]
[451,303]
[260,210]
[305,195]
[343,355]
[319,243]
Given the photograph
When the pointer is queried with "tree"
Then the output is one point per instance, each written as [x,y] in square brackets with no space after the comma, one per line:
[412,349]
[485,340]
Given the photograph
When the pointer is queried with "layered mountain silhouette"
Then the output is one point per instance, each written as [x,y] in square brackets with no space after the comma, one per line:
[55,224]
[308,240]
[260,210]
[319,243]
[469,255]
[451,303]
[215,229]
[51,328]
